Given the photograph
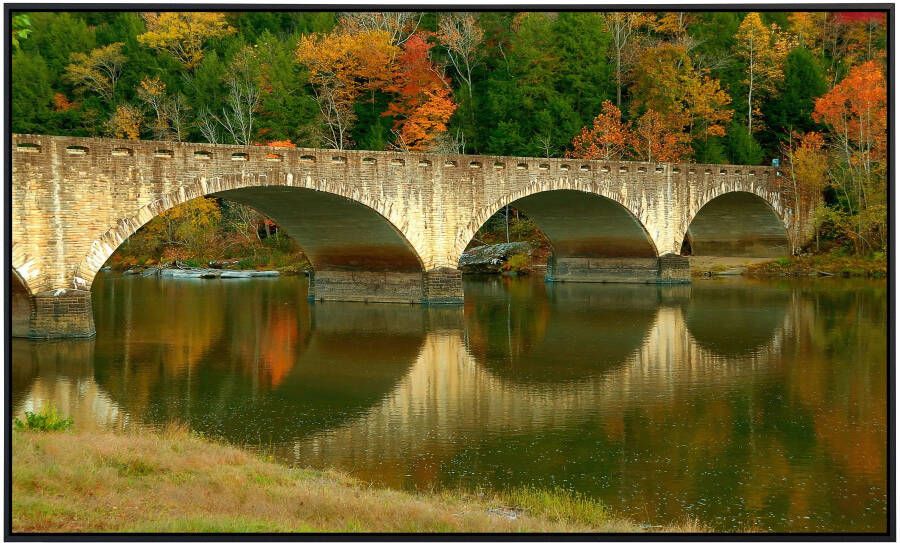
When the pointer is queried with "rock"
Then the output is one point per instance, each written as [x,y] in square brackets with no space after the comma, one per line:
[150,272]
[220,264]
[106,268]
[490,258]
[133,270]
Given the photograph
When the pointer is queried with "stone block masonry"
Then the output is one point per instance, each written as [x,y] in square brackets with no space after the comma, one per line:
[377,226]
[61,314]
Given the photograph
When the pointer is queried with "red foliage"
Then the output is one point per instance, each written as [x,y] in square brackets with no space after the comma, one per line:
[425,101]
[848,17]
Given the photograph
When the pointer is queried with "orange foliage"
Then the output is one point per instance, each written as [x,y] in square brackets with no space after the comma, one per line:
[608,139]
[425,102]
[61,102]
[654,141]
[855,110]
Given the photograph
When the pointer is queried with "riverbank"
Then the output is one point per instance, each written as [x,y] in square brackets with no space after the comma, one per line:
[176,481]
[796,266]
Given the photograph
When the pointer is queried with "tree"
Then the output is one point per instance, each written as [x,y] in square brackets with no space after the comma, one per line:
[401,25]
[21,28]
[97,71]
[341,67]
[762,50]
[424,103]
[743,147]
[183,34]
[623,25]
[461,35]
[687,100]
[126,122]
[653,140]
[855,114]
[803,82]
[807,167]
[608,138]
[243,96]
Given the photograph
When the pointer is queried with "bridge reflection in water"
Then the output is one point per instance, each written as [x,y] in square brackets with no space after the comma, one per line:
[735,403]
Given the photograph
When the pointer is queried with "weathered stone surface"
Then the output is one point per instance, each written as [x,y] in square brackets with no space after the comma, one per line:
[74,200]
[489,258]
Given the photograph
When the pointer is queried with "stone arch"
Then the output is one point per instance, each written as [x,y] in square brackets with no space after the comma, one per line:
[21,300]
[27,270]
[377,211]
[609,201]
[737,223]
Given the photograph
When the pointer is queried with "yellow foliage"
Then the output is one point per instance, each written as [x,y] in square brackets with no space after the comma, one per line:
[126,122]
[183,34]
[97,71]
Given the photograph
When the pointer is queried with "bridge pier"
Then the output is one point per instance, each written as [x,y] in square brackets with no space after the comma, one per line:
[442,285]
[56,314]
[669,268]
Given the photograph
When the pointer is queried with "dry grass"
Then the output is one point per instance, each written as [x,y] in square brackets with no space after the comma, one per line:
[177,482]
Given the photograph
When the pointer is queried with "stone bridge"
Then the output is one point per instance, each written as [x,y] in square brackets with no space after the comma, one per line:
[376,226]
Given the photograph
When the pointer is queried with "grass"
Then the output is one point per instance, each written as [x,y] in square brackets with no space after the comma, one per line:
[176,481]
[835,263]
[47,420]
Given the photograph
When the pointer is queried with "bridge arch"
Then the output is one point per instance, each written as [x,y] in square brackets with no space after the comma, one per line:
[339,229]
[559,206]
[737,223]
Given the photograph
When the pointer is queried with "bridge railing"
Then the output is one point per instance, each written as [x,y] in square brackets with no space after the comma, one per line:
[25,145]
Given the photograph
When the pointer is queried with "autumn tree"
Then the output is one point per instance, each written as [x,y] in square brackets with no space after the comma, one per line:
[855,113]
[244,93]
[623,26]
[762,50]
[607,139]
[424,103]
[342,66]
[807,169]
[98,71]
[654,140]
[401,25]
[461,35]
[183,34]
[686,100]
[126,122]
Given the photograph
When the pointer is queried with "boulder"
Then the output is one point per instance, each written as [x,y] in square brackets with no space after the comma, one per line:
[490,258]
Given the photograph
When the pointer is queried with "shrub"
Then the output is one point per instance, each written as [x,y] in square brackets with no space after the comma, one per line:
[47,420]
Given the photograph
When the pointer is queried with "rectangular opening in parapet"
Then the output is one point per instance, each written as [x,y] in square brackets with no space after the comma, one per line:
[274,157]
[564,167]
[450,164]
[122,151]
[397,162]
[642,169]
[723,171]
[752,172]
[76,150]
[543,166]
[163,153]
[585,167]
[28,148]
[660,169]
[368,161]
[475,164]
[521,166]
[623,169]
[202,155]
[307,158]
[424,163]
[240,156]
[499,165]
[339,159]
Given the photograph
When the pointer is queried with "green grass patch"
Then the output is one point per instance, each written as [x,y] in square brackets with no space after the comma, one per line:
[47,419]
[558,505]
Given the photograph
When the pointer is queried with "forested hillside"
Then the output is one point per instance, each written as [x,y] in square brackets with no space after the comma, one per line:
[723,87]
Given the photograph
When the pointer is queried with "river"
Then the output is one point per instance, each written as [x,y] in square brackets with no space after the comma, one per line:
[744,404]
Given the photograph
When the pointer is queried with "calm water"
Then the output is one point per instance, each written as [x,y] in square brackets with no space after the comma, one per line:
[744,404]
